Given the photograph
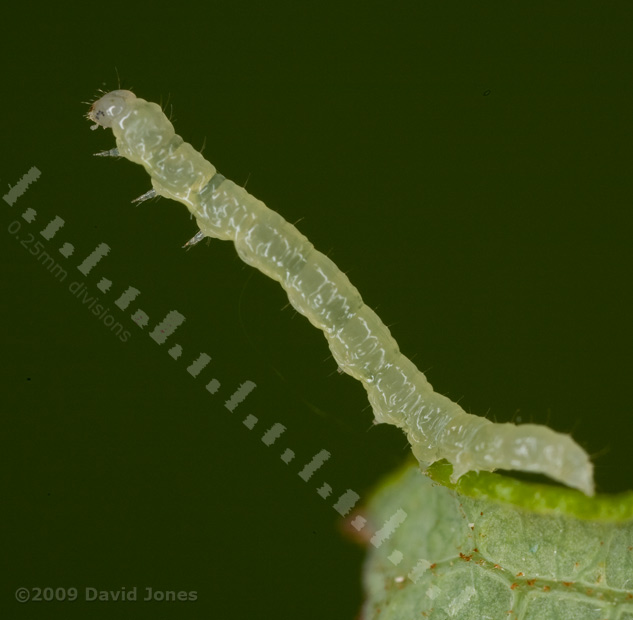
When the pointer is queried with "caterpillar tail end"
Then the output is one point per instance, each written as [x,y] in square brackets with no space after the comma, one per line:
[582,479]
[531,448]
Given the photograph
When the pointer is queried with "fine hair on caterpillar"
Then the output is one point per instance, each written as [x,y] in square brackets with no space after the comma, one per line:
[436,427]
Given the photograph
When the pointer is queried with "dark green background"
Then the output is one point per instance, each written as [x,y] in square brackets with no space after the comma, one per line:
[468,167]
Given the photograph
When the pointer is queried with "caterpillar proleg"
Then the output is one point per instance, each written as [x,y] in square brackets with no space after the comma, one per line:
[436,427]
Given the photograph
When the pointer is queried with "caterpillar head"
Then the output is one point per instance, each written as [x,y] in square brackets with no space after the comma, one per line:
[111,106]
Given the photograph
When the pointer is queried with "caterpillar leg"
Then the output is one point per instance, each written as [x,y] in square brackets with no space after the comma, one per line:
[199,236]
[111,153]
[146,196]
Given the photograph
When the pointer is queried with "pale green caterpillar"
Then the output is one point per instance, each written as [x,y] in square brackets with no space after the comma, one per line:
[361,344]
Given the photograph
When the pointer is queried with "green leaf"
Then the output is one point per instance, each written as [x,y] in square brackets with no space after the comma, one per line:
[495,548]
